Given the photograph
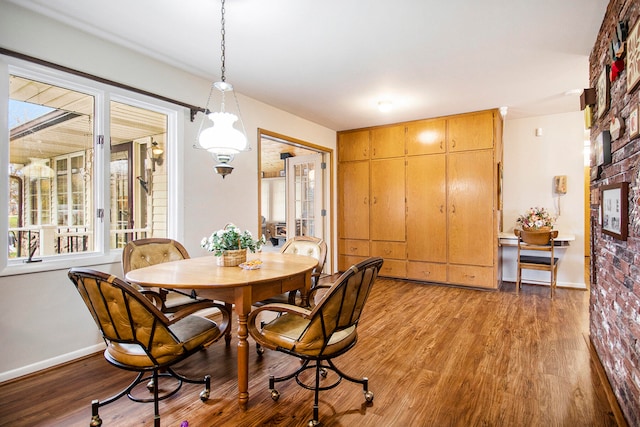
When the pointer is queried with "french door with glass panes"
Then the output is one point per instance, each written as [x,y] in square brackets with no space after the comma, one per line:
[305,213]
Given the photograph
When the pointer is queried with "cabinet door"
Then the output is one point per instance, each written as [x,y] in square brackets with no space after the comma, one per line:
[470,202]
[471,131]
[387,200]
[353,146]
[353,202]
[426,208]
[387,142]
[426,137]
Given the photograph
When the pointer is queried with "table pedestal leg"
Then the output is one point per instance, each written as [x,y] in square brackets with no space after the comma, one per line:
[243,362]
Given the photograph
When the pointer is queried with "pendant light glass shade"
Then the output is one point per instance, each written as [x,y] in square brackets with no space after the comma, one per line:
[222,137]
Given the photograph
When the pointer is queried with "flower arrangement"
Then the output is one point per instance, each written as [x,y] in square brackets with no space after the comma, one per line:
[536,218]
[231,238]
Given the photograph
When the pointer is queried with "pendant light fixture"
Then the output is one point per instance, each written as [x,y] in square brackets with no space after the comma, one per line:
[222,139]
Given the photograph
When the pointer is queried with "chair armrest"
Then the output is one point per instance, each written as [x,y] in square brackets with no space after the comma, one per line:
[280,308]
[155,298]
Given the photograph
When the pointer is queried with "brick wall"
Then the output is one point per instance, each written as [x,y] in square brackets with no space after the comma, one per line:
[615,281]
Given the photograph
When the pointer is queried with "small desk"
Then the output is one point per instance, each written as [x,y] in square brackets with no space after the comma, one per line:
[279,273]
[508,260]
[510,239]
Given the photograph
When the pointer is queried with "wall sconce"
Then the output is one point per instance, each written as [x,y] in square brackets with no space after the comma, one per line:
[155,154]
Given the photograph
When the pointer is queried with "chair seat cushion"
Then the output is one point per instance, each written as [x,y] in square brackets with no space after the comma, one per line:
[192,332]
[285,331]
[531,259]
[277,299]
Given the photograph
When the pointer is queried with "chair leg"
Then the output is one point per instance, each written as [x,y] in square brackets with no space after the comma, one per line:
[320,371]
[316,399]
[156,404]
[227,335]
[368,395]
[518,280]
[95,418]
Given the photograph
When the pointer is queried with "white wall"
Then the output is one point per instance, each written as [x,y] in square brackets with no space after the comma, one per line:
[43,321]
[530,163]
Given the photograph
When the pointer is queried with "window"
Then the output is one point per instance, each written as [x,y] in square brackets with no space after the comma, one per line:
[59,206]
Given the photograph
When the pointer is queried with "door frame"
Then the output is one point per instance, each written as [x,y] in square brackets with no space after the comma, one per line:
[327,181]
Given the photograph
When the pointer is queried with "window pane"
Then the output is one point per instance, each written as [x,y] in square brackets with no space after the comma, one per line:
[51,129]
[138,184]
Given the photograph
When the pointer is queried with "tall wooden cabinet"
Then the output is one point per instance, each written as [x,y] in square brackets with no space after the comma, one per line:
[423,195]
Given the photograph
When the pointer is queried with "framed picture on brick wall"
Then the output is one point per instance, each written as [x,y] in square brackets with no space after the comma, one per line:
[633,57]
[614,209]
[633,122]
[602,91]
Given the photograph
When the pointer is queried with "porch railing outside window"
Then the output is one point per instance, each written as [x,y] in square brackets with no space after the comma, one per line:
[52,182]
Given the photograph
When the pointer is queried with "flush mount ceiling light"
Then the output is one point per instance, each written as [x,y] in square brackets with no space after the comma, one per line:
[385,106]
[222,139]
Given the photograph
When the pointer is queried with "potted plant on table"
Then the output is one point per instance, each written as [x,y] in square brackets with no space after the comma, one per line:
[230,245]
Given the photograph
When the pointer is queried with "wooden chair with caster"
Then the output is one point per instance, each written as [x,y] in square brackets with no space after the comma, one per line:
[539,241]
[140,338]
[156,250]
[300,245]
[318,335]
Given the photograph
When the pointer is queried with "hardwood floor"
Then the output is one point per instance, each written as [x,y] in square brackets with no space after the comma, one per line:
[434,356]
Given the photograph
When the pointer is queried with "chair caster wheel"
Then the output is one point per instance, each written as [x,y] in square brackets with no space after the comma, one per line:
[368,396]
[151,385]
[313,423]
[275,395]
[259,350]
[323,372]
[204,395]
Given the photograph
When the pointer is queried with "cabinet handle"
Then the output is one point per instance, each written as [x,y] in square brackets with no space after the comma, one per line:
[387,251]
[375,200]
[353,249]
[441,208]
[366,200]
[453,145]
[441,144]
[426,273]
[453,208]
[373,152]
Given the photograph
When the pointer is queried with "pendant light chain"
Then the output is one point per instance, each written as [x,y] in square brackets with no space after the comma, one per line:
[222,32]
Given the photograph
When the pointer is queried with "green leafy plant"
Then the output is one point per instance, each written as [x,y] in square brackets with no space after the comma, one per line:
[231,238]
[536,218]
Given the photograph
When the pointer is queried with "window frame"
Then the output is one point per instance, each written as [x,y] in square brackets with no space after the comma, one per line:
[103,94]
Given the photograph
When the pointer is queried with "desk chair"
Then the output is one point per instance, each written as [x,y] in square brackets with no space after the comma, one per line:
[543,242]
[300,245]
[141,338]
[320,334]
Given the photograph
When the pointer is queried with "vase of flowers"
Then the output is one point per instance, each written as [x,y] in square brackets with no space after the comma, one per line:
[230,245]
[536,219]
[536,223]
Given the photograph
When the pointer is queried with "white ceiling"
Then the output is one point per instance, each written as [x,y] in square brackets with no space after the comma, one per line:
[331,61]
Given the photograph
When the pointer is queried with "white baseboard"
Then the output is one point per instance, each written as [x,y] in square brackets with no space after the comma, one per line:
[568,285]
[48,363]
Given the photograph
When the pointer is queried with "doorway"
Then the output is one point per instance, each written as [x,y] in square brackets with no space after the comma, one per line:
[294,195]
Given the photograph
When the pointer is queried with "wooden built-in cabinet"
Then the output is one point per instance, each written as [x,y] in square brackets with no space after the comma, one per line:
[423,195]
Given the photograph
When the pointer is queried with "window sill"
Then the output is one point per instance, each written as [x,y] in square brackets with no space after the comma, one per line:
[52,264]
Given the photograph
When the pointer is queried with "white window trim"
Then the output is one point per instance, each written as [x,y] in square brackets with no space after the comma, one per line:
[103,94]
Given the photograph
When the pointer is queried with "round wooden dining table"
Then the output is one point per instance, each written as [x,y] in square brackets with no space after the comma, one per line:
[278,273]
